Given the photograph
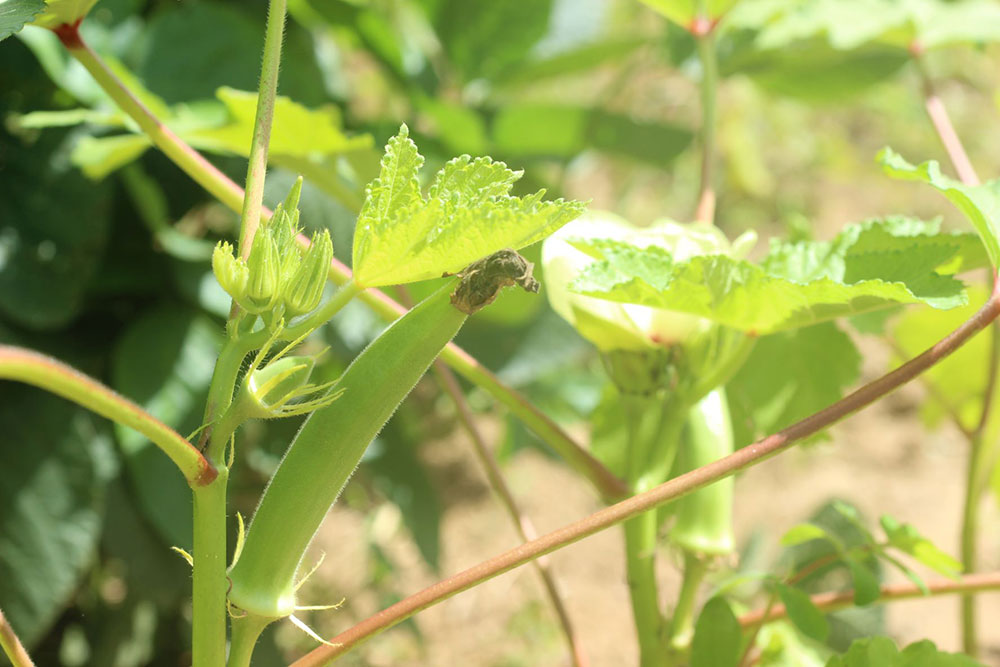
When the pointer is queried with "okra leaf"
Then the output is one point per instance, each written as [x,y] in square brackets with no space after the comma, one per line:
[402,236]
[865,582]
[979,203]
[297,130]
[803,532]
[15,13]
[791,375]
[803,613]
[905,537]
[761,299]
[882,652]
[717,636]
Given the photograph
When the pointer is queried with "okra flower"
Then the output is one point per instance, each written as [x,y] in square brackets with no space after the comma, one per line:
[616,326]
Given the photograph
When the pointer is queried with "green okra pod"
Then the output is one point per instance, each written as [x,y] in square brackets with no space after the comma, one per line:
[333,439]
[705,518]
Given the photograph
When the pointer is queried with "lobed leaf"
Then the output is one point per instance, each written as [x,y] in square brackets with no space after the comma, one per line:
[979,203]
[882,652]
[404,237]
[797,286]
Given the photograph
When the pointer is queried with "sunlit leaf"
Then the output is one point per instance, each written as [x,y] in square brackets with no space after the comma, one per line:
[979,203]
[803,532]
[401,236]
[683,12]
[798,285]
[882,652]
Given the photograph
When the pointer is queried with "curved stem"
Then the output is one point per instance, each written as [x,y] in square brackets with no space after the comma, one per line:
[827,602]
[231,195]
[268,88]
[682,622]
[12,646]
[42,371]
[660,495]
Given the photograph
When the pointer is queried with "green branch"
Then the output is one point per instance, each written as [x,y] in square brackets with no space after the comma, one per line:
[54,376]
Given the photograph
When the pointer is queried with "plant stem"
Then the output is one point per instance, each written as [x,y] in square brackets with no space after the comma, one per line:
[42,371]
[642,421]
[245,633]
[208,632]
[942,123]
[267,89]
[682,622]
[12,646]
[827,602]
[231,195]
[702,29]
[522,524]
[679,486]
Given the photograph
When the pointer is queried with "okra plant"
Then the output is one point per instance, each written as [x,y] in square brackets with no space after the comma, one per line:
[704,343]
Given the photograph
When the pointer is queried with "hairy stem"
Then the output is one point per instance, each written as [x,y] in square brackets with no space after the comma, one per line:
[12,646]
[231,195]
[42,371]
[827,602]
[208,629]
[679,486]
[268,88]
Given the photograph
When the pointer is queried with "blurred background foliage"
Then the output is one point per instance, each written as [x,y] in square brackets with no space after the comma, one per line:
[104,244]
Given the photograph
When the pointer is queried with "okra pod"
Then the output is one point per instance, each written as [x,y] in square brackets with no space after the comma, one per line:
[705,518]
[333,439]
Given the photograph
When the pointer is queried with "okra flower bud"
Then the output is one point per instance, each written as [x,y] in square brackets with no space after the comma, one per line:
[264,285]
[304,289]
[616,326]
[231,271]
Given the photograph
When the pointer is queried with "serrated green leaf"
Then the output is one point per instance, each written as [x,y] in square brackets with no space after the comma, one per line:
[803,613]
[905,537]
[791,375]
[717,636]
[979,203]
[14,14]
[759,300]
[403,237]
[882,652]
[803,532]
[865,582]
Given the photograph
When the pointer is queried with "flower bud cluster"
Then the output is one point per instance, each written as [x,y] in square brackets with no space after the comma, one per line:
[276,280]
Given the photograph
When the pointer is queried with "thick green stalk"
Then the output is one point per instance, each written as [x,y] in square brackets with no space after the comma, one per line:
[245,633]
[327,449]
[268,88]
[643,413]
[682,621]
[208,632]
[54,376]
